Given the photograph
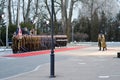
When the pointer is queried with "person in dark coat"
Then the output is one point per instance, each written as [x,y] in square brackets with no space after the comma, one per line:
[25,31]
[99,41]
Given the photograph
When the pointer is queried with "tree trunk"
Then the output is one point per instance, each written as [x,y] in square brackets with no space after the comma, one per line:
[9,12]
[64,15]
[66,21]
[28,11]
[69,26]
[36,7]
[54,13]
[46,3]
[23,9]
[13,12]
[18,10]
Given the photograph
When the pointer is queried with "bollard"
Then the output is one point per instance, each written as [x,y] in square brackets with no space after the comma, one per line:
[118,54]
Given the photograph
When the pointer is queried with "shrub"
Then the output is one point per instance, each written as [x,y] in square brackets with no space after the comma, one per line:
[80,37]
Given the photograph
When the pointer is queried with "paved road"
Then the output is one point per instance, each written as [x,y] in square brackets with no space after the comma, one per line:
[82,64]
[12,66]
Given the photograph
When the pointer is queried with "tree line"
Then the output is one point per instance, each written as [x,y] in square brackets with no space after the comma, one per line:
[94,16]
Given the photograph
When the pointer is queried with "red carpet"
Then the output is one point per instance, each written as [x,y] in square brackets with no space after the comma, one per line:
[43,52]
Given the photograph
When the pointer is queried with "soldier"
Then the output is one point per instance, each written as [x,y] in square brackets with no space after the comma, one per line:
[32,32]
[103,42]
[99,41]
[25,31]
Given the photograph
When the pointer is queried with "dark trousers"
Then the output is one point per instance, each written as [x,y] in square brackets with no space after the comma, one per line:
[99,44]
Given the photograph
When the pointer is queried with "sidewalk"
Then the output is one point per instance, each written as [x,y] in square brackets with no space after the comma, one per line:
[83,64]
[5,51]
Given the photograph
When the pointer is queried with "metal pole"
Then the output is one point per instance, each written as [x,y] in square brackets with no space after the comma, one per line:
[72,33]
[7,35]
[52,75]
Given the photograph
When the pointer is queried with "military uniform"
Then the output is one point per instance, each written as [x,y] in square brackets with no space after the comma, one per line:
[103,43]
[99,41]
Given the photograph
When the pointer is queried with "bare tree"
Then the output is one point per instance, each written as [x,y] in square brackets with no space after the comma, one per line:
[26,17]
[13,12]
[9,12]
[36,7]
[64,15]
[18,13]
[67,17]
[23,9]
[47,6]
[92,7]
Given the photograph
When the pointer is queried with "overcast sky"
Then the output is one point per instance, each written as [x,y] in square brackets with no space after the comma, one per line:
[77,7]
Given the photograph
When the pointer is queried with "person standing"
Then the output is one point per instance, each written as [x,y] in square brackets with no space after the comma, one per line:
[103,42]
[99,41]
[25,31]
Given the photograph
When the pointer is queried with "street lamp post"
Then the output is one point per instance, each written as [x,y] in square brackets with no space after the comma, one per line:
[7,35]
[52,71]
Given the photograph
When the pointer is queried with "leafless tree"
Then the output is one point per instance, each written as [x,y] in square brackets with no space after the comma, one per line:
[67,16]
[18,13]
[9,12]
[27,10]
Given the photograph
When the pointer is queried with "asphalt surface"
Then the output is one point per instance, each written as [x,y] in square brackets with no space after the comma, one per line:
[10,66]
[83,64]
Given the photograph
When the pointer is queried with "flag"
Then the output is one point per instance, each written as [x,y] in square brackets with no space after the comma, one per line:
[19,33]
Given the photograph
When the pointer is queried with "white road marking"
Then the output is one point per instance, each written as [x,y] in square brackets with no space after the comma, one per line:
[104,77]
[22,73]
[81,63]
[37,68]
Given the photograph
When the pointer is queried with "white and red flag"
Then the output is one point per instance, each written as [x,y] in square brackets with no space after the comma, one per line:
[19,33]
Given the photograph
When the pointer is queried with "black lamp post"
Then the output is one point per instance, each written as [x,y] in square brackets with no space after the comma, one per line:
[52,75]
